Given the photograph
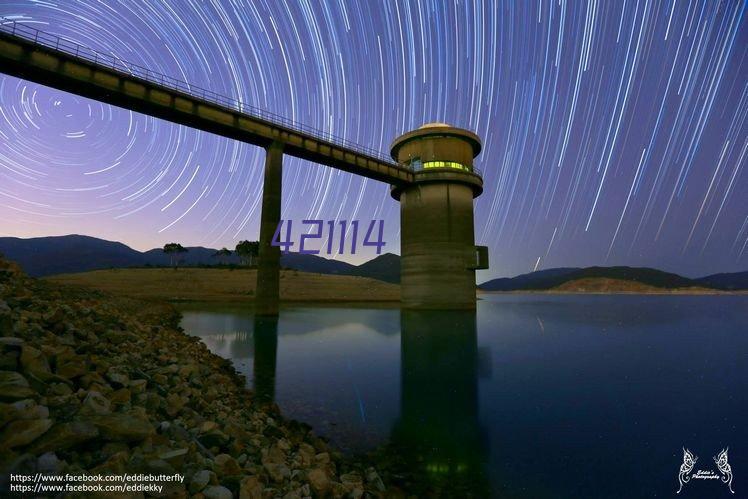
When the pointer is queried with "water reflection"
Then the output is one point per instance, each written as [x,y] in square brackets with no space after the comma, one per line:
[438,432]
[587,393]
[265,342]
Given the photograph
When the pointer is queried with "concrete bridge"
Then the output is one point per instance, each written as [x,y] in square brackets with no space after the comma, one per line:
[433,170]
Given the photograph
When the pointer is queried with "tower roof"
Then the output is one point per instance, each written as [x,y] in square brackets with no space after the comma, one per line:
[436,129]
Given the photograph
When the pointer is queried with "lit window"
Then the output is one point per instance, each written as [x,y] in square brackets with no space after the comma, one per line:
[445,164]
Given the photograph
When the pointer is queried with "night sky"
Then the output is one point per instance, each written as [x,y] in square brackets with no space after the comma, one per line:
[614,132]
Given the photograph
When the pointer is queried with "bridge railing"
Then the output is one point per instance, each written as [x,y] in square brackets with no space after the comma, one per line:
[113,63]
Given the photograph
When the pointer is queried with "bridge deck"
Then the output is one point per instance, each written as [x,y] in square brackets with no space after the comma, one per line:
[55,62]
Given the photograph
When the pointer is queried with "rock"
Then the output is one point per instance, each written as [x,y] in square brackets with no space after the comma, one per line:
[199,481]
[71,369]
[319,481]
[121,396]
[213,438]
[250,487]
[125,427]
[117,377]
[24,431]
[62,436]
[34,362]
[6,321]
[225,465]
[208,426]
[373,479]
[274,455]
[59,389]
[174,404]
[49,464]
[174,457]
[9,360]
[7,413]
[95,404]
[28,409]
[13,386]
[306,454]
[217,492]
[353,484]
[138,385]
[278,472]
[115,465]
[10,342]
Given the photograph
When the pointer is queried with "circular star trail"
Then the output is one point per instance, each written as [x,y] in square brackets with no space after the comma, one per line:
[614,132]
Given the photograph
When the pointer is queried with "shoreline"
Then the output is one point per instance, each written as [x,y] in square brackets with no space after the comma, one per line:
[96,383]
[674,292]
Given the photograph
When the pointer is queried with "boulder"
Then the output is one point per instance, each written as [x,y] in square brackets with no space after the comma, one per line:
[34,362]
[374,481]
[95,404]
[120,397]
[63,436]
[174,457]
[117,377]
[319,481]
[126,427]
[217,492]
[71,369]
[250,487]
[278,472]
[24,431]
[13,386]
[225,465]
[28,409]
[199,481]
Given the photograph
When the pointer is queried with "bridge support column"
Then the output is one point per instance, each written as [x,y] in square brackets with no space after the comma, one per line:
[268,268]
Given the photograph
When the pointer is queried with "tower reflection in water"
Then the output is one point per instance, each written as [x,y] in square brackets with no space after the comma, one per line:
[437,440]
[438,433]
[265,341]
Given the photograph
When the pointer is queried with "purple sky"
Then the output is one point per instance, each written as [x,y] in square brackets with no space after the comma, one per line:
[614,133]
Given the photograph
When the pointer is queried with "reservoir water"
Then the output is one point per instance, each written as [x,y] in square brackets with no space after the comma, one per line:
[532,396]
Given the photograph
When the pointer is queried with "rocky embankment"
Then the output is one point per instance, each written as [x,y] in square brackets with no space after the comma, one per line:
[90,384]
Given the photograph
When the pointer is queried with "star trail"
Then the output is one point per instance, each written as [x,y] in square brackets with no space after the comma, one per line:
[614,133]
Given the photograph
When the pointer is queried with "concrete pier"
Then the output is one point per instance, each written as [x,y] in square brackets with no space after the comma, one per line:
[268,267]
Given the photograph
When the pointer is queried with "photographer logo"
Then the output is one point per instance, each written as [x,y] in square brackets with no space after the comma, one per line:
[722,474]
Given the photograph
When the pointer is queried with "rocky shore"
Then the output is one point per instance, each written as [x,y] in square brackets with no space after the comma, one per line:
[92,384]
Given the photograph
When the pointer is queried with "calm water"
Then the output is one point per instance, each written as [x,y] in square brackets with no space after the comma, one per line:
[532,396]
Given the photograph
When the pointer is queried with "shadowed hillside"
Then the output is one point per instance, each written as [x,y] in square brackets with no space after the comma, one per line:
[612,279]
[44,256]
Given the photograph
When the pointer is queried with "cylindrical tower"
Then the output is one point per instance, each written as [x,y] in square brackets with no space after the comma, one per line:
[439,256]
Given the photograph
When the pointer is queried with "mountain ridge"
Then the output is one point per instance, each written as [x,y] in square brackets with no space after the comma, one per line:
[73,253]
[554,278]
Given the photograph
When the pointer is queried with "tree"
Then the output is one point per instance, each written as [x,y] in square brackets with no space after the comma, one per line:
[247,251]
[174,250]
[222,254]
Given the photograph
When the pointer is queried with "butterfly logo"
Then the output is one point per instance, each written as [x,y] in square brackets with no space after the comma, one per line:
[685,469]
[724,468]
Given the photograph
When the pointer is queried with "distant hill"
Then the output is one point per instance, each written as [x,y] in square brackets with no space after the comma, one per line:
[316,264]
[540,279]
[43,256]
[561,278]
[730,281]
[384,267]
